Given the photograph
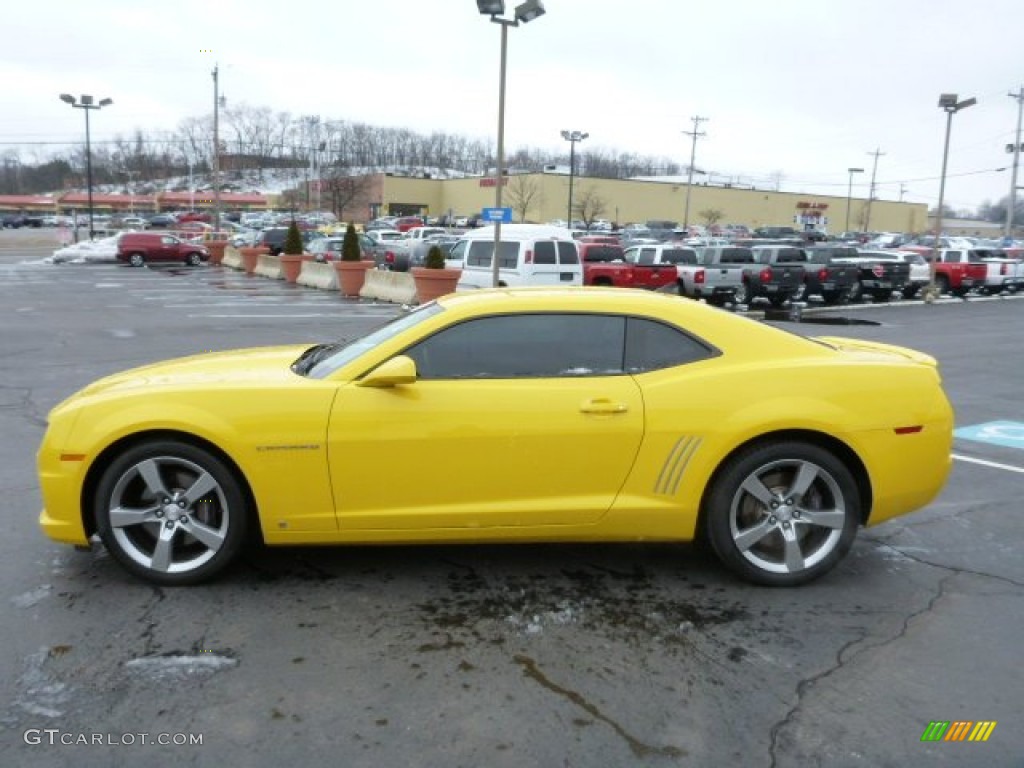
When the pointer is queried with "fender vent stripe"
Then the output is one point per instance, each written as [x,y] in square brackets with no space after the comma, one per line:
[675,464]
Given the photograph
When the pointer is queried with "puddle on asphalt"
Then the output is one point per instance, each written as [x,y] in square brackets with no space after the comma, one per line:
[791,316]
[622,605]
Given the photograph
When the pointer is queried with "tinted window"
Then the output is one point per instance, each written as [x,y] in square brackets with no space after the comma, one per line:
[480,252]
[603,253]
[646,256]
[567,253]
[678,256]
[518,346]
[651,345]
[736,256]
[544,252]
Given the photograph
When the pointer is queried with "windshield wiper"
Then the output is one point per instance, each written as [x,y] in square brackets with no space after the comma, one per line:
[314,355]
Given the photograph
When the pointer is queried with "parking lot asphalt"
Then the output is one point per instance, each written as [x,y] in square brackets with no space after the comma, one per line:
[625,655]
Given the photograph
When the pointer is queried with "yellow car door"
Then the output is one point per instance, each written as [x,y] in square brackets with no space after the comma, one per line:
[513,421]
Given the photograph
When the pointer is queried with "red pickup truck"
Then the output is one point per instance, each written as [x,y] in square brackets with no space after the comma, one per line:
[958,270]
[605,264]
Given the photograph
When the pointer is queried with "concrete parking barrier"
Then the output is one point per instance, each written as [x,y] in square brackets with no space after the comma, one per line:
[384,285]
[269,266]
[315,274]
[232,258]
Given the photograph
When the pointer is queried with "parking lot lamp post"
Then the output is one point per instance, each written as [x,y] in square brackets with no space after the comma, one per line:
[849,195]
[85,102]
[572,137]
[526,12]
[948,102]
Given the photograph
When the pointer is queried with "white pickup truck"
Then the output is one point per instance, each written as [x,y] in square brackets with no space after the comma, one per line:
[1003,274]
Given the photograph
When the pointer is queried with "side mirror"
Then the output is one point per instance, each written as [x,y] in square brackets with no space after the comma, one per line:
[397,370]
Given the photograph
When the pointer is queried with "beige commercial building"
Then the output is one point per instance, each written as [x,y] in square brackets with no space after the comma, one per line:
[542,197]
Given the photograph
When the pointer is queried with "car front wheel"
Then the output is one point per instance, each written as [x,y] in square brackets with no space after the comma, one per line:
[194,260]
[783,514]
[170,512]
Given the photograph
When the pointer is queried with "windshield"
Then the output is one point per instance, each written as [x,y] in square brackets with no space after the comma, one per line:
[343,353]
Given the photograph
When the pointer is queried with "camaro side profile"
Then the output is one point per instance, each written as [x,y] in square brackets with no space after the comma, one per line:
[534,414]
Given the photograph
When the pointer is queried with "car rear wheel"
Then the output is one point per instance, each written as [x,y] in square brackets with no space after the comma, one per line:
[855,292]
[742,294]
[881,296]
[783,514]
[137,260]
[170,512]
[910,291]
[194,260]
[831,297]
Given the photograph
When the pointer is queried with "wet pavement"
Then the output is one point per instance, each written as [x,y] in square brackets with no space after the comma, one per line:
[525,655]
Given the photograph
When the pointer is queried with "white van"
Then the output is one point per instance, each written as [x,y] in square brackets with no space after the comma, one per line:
[529,254]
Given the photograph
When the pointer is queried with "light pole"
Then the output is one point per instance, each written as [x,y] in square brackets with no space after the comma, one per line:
[948,102]
[85,102]
[572,137]
[697,120]
[849,195]
[526,12]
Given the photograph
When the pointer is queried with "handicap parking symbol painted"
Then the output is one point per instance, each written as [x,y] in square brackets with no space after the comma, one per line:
[1006,433]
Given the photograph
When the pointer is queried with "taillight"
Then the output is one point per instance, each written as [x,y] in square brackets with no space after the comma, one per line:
[389,257]
[766,275]
[822,275]
[698,277]
[878,270]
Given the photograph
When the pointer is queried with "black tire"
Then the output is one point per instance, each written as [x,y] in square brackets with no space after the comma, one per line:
[602,281]
[960,292]
[832,297]
[742,294]
[766,541]
[194,259]
[881,296]
[137,259]
[855,292]
[910,291]
[161,532]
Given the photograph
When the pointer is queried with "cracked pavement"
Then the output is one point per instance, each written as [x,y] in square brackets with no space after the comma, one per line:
[638,655]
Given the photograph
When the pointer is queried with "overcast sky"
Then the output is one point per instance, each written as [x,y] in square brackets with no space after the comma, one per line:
[807,88]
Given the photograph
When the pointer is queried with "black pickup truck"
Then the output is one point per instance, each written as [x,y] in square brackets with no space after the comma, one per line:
[823,276]
[876,277]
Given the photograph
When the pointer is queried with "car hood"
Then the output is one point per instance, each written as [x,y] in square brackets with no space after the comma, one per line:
[874,350]
[265,365]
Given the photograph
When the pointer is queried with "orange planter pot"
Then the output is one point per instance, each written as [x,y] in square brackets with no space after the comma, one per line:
[216,249]
[249,257]
[352,275]
[431,283]
[291,266]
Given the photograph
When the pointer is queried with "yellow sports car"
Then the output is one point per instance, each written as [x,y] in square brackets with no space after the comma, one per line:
[552,414]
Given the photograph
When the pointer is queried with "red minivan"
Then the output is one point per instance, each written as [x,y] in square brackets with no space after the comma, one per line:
[139,248]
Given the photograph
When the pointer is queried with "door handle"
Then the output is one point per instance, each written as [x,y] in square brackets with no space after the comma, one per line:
[603,405]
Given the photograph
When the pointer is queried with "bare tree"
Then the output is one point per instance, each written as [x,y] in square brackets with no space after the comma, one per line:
[521,192]
[711,216]
[589,206]
[342,190]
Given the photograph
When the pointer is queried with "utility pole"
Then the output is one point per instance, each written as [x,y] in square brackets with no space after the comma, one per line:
[903,190]
[871,194]
[1012,206]
[695,133]
[216,149]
